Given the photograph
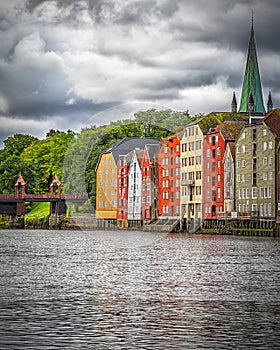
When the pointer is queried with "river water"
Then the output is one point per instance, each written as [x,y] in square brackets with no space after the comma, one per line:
[133,290]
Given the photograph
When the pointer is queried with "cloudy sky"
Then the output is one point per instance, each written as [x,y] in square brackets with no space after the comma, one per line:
[67,64]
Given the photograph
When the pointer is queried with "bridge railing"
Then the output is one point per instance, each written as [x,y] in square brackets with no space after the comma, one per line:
[7,196]
[45,196]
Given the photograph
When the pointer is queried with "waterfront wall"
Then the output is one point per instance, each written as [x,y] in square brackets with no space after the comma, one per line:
[60,222]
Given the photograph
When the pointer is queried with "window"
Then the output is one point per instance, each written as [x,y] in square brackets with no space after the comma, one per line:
[265,176]
[254,207]
[254,179]
[243,163]
[208,178]
[254,164]
[208,192]
[270,145]
[177,160]
[265,161]
[254,134]
[264,132]
[218,177]
[165,183]
[219,192]
[243,135]
[254,192]
[219,151]
[269,209]
[243,148]
[238,149]
[164,195]
[270,160]
[219,164]
[254,149]
[265,146]
[213,167]
[208,152]
[238,164]
[165,149]
[270,175]
[240,193]
[177,148]
[243,177]
[238,178]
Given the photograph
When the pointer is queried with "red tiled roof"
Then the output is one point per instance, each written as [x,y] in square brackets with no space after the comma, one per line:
[272,120]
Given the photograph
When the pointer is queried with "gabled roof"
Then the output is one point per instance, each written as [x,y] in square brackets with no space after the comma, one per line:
[128,157]
[231,147]
[252,80]
[178,135]
[231,129]
[129,144]
[151,150]
[272,120]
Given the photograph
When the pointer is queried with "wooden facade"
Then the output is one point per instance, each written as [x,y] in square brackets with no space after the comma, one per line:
[169,176]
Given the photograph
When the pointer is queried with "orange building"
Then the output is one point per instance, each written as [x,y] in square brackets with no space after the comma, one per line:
[169,176]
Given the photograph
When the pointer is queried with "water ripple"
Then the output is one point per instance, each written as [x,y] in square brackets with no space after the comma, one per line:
[70,290]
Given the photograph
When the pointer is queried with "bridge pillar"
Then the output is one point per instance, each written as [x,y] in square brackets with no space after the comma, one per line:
[20,211]
[58,207]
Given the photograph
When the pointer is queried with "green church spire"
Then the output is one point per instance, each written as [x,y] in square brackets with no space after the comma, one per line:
[252,80]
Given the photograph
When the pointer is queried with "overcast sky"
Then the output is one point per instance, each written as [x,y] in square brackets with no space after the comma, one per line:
[67,64]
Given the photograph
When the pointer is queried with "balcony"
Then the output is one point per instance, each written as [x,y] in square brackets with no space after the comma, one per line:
[187,182]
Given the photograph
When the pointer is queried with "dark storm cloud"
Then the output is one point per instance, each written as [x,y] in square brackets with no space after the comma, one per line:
[125,12]
[66,58]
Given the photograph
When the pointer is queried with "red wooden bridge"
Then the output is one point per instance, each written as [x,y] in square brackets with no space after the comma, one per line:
[14,204]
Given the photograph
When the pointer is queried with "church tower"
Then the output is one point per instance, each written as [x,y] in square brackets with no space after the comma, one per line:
[252,89]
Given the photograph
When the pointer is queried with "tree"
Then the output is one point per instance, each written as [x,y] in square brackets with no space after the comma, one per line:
[10,169]
[14,145]
[47,156]
[171,121]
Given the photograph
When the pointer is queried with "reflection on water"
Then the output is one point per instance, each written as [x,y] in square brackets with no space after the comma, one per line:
[71,290]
